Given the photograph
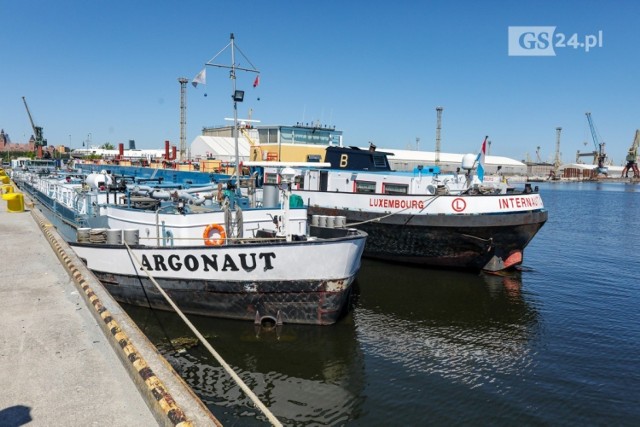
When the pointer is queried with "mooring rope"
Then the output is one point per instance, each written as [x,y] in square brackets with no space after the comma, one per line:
[272,419]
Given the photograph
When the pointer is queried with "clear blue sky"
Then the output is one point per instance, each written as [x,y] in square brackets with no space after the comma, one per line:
[374,69]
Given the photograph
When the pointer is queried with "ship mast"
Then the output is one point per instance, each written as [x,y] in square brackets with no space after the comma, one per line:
[236,95]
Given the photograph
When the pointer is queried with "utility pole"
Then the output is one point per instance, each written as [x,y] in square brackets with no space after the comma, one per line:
[438,128]
[183,118]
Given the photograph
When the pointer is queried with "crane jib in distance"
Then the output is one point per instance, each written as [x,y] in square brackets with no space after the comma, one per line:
[599,155]
[37,132]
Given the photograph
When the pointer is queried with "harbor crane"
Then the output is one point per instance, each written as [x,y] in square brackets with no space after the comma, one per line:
[538,159]
[37,132]
[632,158]
[599,155]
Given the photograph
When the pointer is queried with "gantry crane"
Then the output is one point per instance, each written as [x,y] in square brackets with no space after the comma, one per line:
[37,133]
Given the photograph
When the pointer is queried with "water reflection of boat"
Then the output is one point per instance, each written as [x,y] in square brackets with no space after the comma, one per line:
[466,328]
[303,375]
[410,329]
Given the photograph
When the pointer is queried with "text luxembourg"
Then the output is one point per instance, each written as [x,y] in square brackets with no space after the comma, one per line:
[396,203]
[246,262]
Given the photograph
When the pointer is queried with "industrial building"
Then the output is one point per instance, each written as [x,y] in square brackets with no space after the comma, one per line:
[308,142]
[407,160]
[284,143]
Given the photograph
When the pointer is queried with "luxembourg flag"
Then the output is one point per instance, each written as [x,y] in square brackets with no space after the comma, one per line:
[480,159]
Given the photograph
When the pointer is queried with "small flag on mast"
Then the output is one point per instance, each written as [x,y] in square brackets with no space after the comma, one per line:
[201,78]
[480,159]
[256,82]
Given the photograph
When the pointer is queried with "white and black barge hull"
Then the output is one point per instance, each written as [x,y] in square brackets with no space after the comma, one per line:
[306,282]
[490,242]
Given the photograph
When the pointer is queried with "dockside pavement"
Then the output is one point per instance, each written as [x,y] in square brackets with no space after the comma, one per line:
[59,366]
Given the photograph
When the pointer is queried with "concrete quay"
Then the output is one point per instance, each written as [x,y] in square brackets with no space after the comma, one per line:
[69,355]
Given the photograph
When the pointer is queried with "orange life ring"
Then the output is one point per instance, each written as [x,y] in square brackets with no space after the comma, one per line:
[206,235]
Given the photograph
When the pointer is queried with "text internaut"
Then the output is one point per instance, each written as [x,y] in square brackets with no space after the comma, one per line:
[520,202]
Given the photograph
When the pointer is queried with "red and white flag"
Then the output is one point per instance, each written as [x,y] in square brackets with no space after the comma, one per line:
[256,82]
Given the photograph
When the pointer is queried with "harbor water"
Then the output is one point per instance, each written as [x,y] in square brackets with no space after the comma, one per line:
[555,343]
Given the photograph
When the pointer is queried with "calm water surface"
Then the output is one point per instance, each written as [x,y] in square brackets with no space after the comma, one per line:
[557,343]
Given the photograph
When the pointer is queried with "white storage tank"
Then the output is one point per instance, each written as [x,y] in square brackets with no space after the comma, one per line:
[97,180]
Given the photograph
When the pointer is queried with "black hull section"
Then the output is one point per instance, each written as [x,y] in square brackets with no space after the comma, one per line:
[464,242]
[299,302]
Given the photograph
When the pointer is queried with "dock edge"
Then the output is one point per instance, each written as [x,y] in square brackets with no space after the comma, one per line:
[162,404]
